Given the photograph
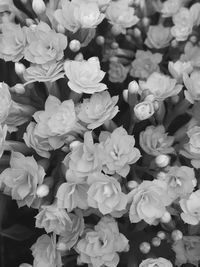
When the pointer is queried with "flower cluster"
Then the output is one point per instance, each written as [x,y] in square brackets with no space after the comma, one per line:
[100,131]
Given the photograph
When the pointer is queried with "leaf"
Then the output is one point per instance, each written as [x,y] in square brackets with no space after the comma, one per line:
[17,232]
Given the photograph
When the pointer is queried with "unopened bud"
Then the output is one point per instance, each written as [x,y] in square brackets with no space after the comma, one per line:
[74,144]
[161,235]
[114,45]
[42,191]
[137,33]
[145,247]
[162,161]
[166,218]
[177,235]
[29,22]
[125,95]
[79,57]
[19,68]
[60,29]
[18,88]
[38,6]
[133,87]
[74,45]
[100,40]
[156,241]
[132,184]
[116,30]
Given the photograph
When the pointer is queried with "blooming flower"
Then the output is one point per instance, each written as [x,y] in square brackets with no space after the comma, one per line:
[39,144]
[144,110]
[145,63]
[191,208]
[78,14]
[49,72]
[183,24]
[99,247]
[178,69]
[148,202]
[158,37]
[117,72]
[5,101]
[159,262]
[192,54]
[44,44]
[12,42]
[154,141]
[192,148]
[45,253]
[22,179]
[98,109]
[84,158]
[171,7]
[56,121]
[105,193]
[192,83]
[117,151]
[85,76]
[72,233]
[120,15]
[180,181]
[53,219]
[187,250]
[72,195]
[161,86]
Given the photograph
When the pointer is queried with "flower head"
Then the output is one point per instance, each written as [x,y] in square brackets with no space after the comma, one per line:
[85,76]
[5,101]
[158,37]
[159,262]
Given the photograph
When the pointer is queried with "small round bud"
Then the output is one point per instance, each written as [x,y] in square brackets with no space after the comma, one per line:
[79,57]
[38,6]
[162,161]
[42,190]
[60,29]
[114,45]
[176,235]
[100,40]
[174,43]
[161,235]
[19,68]
[61,246]
[137,33]
[74,144]
[115,30]
[156,241]
[133,87]
[193,39]
[125,95]
[132,184]
[145,247]
[19,88]
[166,218]
[145,22]
[75,45]
[113,59]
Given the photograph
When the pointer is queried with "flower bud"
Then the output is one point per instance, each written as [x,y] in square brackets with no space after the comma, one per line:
[18,88]
[38,6]
[60,29]
[162,161]
[19,68]
[29,22]
[145,22]
[125,95]
[161,176]
[61,246]
[132,184]
[144,110]
[133,87]
[177,235]
[193,39]
[116,30]
[74,144]
[166,218]
[114,45]
[145,247]
[161,235]
[156,241]
[100,40]
[42,191]
[175,99]
[137,33]
[74,45]
[79,57]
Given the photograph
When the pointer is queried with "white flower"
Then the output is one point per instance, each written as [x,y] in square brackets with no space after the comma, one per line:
[178,68]
[144,110]
[5,101]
